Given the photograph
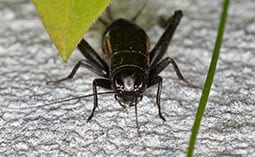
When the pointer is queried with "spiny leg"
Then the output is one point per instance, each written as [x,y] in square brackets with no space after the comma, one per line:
[104,83]
[89,53]
[180,76]
[164,63]
[156,65]
[75,69]
[154,71]
[153,81]
[163,22]
[161,46]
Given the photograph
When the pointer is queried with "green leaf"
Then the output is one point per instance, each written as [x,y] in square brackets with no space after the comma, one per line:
[66,21]
[208,81]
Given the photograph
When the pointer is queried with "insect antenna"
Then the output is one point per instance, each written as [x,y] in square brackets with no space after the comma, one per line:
[139,12]
[109,16]
[61,101]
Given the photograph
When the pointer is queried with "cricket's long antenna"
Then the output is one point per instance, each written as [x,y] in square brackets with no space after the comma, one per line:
[139,12]
[61,101]
[109,16]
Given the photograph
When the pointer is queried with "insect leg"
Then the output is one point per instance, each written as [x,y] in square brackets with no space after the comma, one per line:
[154,71]
[85,63]
[105,83]
[180,76]
[161,46]
[89,53]
[163,64]
[153,81]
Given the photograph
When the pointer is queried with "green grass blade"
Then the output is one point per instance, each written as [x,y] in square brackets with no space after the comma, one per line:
[209,80]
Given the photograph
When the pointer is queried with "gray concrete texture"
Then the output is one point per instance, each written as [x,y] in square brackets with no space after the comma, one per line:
[28,59]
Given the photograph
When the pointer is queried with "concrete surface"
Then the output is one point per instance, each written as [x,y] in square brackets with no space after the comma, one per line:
[28,59]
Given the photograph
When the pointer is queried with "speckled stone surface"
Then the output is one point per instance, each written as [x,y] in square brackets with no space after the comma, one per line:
[28,59]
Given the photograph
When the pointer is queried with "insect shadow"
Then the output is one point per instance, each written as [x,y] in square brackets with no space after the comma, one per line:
[128,68]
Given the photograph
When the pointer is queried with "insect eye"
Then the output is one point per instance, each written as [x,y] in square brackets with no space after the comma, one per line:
[119,82]
[138,82]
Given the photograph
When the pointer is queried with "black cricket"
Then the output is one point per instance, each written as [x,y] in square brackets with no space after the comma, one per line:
[128,67]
